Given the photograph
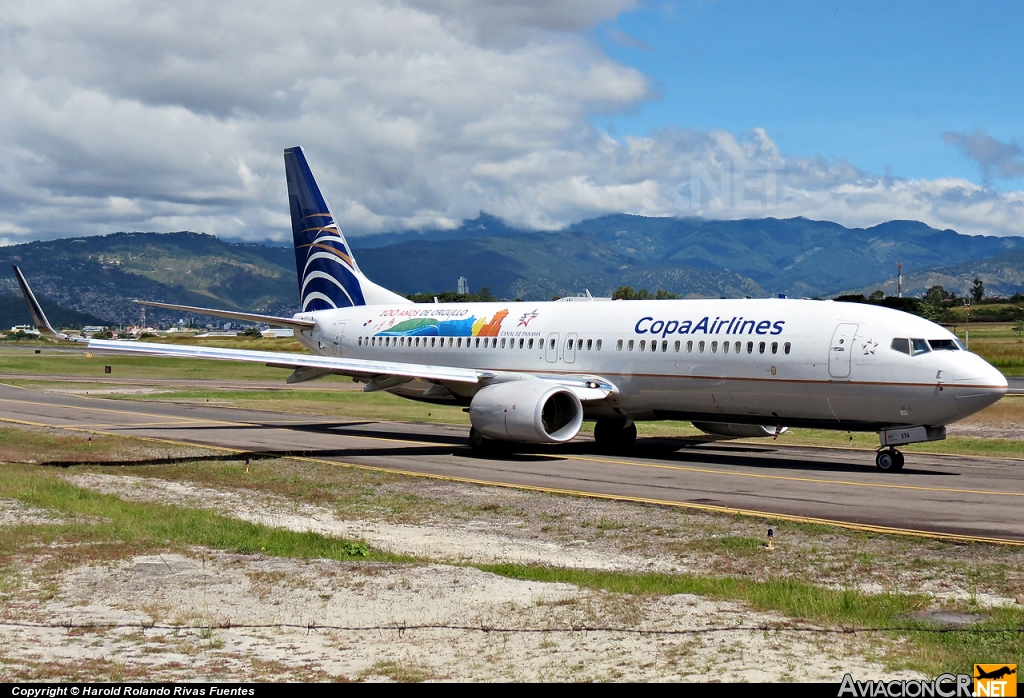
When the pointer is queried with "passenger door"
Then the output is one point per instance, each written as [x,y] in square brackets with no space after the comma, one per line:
[339,334]
[841,350]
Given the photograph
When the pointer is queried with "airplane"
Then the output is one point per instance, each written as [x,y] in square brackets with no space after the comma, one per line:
[994,674]
[532,372]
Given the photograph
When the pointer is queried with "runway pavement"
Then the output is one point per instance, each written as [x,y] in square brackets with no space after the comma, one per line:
[954,496]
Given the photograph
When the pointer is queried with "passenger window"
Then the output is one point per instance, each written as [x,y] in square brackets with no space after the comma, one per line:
[433,341]
[643,344]
[502,342]
[359,342]
[590,344]
[629,347]
[522,342]
[700,346]
[569,344]
[458,342]
[714,347]
[760,348]
[736,348]
[654,345]
[599,345]
[664,345]
[750,347]
[689,346]
[901,345]
[618,345]
[725,347]
[775,347]
[786,347]
[530,346]
[551,344]
[677,346]
[450,342]
[920,346]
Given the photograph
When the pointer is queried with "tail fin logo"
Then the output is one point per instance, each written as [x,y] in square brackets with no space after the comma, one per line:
[327,272]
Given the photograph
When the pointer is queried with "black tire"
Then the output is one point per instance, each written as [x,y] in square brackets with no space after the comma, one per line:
[885,461]
[898,457]
[628,437]
[480,444]
[613,435]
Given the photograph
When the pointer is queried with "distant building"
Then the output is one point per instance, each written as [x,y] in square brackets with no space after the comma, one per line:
[278,332]
[27,329]
[463,285]
[93,329]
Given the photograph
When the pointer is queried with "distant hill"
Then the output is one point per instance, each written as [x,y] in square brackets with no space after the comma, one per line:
[797,256]
[686,256]
[539,266]
[101,274]
[1003,275]
[14,311]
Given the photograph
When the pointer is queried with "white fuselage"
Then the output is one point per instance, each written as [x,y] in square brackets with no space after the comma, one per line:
[773,362]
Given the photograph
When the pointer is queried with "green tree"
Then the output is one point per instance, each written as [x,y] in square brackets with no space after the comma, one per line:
[935,295]
[1018,327]
[252,332]
[935,313]
[876,296]
[628,293]
[978,291]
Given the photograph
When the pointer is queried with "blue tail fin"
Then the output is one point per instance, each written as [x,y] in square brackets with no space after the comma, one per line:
[328,275]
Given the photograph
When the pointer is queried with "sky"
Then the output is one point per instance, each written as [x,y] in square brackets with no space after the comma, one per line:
[123,115]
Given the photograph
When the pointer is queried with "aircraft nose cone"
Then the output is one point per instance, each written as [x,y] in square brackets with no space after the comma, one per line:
[978,384]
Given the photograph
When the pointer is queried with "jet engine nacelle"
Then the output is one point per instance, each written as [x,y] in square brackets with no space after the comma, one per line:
[738,431]
[529,411]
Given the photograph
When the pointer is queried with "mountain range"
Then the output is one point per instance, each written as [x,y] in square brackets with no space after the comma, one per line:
[687,256]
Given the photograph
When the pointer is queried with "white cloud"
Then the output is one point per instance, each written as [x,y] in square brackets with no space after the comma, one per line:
[145,115]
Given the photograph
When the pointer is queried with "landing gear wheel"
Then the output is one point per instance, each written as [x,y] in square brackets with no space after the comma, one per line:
[480,444]
[889,461]
[614,435]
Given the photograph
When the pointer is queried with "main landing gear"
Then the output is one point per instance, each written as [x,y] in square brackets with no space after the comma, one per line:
[889,460]
[480,444]
[614,435]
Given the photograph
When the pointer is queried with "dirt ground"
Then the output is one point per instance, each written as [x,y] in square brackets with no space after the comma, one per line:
[497,628]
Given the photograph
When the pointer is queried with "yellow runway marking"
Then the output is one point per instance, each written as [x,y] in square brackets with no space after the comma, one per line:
[890,530]
[184,421]
[792,478]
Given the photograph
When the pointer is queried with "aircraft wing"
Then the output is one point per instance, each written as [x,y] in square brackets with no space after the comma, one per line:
[349,367]
[293,323]
[586,388]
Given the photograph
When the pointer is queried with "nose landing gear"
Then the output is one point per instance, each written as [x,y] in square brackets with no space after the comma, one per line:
[889,460]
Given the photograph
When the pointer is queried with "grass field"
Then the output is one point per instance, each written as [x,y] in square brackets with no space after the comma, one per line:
[818,575]
[996,342]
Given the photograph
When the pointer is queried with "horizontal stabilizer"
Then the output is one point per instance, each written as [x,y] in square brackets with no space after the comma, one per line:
[291,323]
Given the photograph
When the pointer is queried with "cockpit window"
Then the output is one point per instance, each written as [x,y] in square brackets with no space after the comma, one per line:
[920,346]
[943,345]
[901,345]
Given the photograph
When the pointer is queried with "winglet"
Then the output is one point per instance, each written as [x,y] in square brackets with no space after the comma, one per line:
[35,310]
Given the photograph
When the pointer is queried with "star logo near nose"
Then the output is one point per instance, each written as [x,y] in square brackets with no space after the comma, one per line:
[869,347]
